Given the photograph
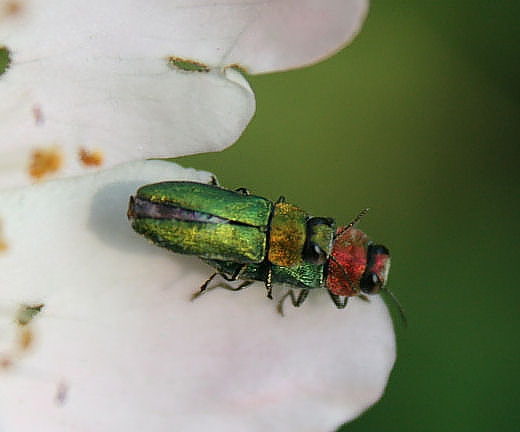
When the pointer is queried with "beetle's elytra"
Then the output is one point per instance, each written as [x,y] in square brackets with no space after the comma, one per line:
[247,237]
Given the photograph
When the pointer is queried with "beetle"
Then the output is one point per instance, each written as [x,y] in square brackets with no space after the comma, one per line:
[250,238]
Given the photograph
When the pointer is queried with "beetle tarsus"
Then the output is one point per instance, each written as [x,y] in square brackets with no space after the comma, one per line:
[297,301]
[339,302]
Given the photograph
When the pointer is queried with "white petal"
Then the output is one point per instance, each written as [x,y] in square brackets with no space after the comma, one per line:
[295,33]
[128,109]
[95,75]
[119,346]
[259,36]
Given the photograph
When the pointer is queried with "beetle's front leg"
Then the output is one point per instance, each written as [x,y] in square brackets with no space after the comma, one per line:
[342,303]
[338,301]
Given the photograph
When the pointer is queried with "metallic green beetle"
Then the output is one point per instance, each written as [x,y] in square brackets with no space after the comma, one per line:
[251,238]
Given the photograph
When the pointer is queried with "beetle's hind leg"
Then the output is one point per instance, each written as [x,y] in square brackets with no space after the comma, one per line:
[222,285]
[297,301]
[204,286]
[236,275]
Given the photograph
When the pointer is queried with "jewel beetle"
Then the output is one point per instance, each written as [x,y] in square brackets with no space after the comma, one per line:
[248,237]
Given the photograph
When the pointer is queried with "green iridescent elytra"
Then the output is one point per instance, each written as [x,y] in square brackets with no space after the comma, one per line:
[248,237]
[207,221]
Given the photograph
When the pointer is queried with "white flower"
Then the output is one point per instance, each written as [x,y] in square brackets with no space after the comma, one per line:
[98,332]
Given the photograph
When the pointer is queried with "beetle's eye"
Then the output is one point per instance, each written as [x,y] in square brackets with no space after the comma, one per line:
[379,250]
[314,254]
[370,283]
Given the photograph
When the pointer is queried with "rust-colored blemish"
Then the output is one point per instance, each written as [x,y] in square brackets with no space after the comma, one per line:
[187,64]
[45,161]
[25,338]
[91,158]
[5,362]
[12,8]
[238,68]
[3,242]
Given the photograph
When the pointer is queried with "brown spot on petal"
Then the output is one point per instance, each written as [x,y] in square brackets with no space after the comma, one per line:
[12,8]
[25,338]
[3,242]
[238,68]
[45,161]
[187,64]
[91,158]
[5,362]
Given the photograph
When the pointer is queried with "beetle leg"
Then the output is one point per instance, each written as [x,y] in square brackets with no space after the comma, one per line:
[296,301]
[243,191]
[225,286]
[236,275]
[205,285]
[340,304]
[280,200]
[228,287]
[364,297]
[269,283]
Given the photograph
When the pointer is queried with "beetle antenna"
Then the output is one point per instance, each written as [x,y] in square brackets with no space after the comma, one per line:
[399,306]
[354,221]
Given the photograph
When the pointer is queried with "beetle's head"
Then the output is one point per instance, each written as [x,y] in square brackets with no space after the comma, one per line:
[357,265]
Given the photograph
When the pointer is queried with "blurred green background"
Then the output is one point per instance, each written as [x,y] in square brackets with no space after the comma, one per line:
[418,119]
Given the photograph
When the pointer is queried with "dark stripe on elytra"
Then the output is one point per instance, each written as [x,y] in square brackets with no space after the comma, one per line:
[143,208]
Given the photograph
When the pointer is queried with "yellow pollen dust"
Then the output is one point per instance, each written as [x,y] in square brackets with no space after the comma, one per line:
[45,161]
[91,158]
